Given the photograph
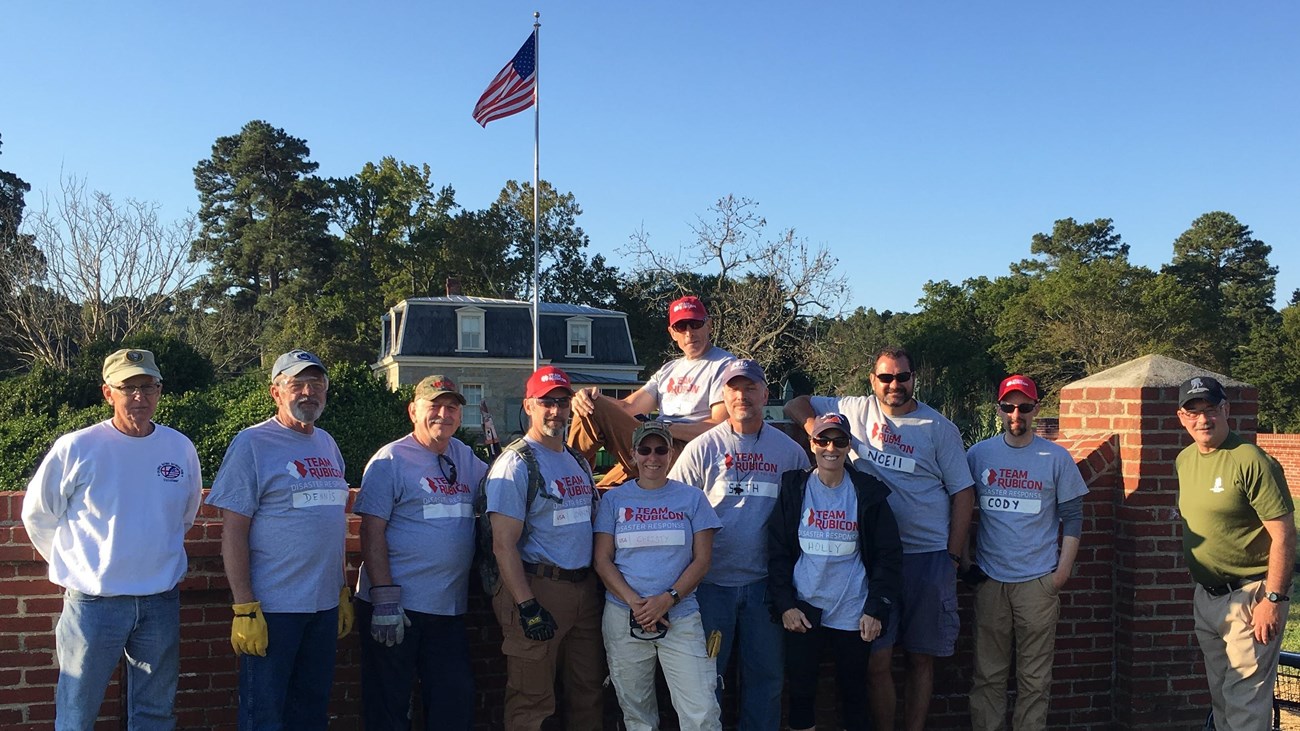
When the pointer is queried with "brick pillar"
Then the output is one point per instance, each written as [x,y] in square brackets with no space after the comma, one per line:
[1159,674]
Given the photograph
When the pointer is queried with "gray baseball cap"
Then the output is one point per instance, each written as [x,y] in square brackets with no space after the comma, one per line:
[295,362]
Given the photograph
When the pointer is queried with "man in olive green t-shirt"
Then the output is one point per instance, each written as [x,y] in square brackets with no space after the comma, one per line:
[1239,541]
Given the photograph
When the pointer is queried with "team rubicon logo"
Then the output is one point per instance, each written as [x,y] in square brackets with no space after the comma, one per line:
[296,469]
[808,517]
[427,485]
[727,460]
[649,515]
[991,477]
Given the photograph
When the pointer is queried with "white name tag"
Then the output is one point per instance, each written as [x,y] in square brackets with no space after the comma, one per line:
[1000,504]
[318,498]
[825,547]
[445,510]
[732,488]
[570,516]
[642,538]
[887,461]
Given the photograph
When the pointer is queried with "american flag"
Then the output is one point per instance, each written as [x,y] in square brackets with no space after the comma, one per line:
[511,91]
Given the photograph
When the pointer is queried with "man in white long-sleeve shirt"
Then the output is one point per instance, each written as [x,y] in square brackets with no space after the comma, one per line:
[108,509]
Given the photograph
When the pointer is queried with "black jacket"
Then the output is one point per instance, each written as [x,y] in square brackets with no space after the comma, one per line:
[878,543]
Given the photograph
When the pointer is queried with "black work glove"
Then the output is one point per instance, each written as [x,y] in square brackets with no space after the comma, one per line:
[538,623]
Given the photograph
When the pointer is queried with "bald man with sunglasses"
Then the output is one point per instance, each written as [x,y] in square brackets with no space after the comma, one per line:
[919,454]
[686,391]
[1029,490]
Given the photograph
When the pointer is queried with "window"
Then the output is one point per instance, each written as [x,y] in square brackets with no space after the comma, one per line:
[470,415]
[469,325]
[580,337]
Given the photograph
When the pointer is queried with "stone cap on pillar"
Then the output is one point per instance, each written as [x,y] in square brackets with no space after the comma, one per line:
[1152,371]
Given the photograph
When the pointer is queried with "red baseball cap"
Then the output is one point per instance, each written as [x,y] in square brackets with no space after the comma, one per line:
[687,308]
[547,379]
[1023,384]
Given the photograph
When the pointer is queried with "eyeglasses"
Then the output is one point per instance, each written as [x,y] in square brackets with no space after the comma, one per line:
[661,450]
[903,377]
[839,442]
[1013,408]
[298,385]
[149,389]
[549,402]
[682,326]
[1208,413]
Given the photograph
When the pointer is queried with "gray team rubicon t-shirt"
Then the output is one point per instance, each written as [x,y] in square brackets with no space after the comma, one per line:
[741,476]
[558,524]
[1018,490]
[292,487]
[428,502]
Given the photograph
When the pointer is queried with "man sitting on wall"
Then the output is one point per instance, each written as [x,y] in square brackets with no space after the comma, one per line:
[686,391]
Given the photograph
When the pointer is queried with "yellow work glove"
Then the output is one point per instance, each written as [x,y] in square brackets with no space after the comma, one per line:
[248,630]
[346,612]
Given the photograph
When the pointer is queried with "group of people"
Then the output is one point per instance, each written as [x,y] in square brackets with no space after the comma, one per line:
[720,538]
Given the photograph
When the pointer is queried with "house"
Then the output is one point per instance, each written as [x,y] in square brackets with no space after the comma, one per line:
[485,346]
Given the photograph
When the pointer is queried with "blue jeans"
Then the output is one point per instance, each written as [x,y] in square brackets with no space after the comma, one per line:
[436,649]
[93,633]
[740,613]
[289,688]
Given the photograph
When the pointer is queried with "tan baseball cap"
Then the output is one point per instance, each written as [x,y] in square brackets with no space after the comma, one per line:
[128,362]
[434,386]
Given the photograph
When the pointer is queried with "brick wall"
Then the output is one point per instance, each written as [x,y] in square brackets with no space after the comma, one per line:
[207,697]
[1285,448]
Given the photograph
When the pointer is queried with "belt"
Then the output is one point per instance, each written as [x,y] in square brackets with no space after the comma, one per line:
[547,571]
[1231,586]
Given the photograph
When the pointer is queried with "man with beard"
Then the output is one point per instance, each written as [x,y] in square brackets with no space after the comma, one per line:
[739,464]
[417,543]
[282,497]
[1028,489]
[919,454]
[547,600]
[108,509]
[686,391]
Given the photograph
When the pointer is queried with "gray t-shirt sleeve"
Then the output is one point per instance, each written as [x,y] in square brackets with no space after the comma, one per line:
[236,487]
[951,456]
[507,486]
[705,517]
[689,467]
[379,490]
[604,522]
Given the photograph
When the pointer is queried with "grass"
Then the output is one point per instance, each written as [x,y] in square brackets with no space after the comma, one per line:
[1291,634]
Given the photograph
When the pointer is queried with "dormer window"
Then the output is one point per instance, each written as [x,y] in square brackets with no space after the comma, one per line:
[579,337]
[469,326]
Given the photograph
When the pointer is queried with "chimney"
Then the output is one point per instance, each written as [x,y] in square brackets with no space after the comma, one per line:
[453,287]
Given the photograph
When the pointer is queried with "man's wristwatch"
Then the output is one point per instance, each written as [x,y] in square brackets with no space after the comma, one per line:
[1276,598]
[677,598]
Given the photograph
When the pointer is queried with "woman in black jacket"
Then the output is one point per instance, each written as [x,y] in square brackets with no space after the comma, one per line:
[834,571]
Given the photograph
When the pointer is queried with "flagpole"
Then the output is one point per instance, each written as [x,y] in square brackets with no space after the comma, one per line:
[537,126]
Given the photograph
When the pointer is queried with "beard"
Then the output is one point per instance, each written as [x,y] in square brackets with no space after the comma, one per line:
[304,412]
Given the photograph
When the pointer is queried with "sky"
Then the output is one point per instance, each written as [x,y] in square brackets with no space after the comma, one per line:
[918,141]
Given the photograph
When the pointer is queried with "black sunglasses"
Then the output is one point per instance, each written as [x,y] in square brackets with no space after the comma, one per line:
[839,442]
[1013,408]
[554,403]
[903,377]
[660,450]
[682,326]
[639,633]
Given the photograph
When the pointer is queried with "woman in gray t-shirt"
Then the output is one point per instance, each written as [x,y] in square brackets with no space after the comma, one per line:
[653,542]
[834,570]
